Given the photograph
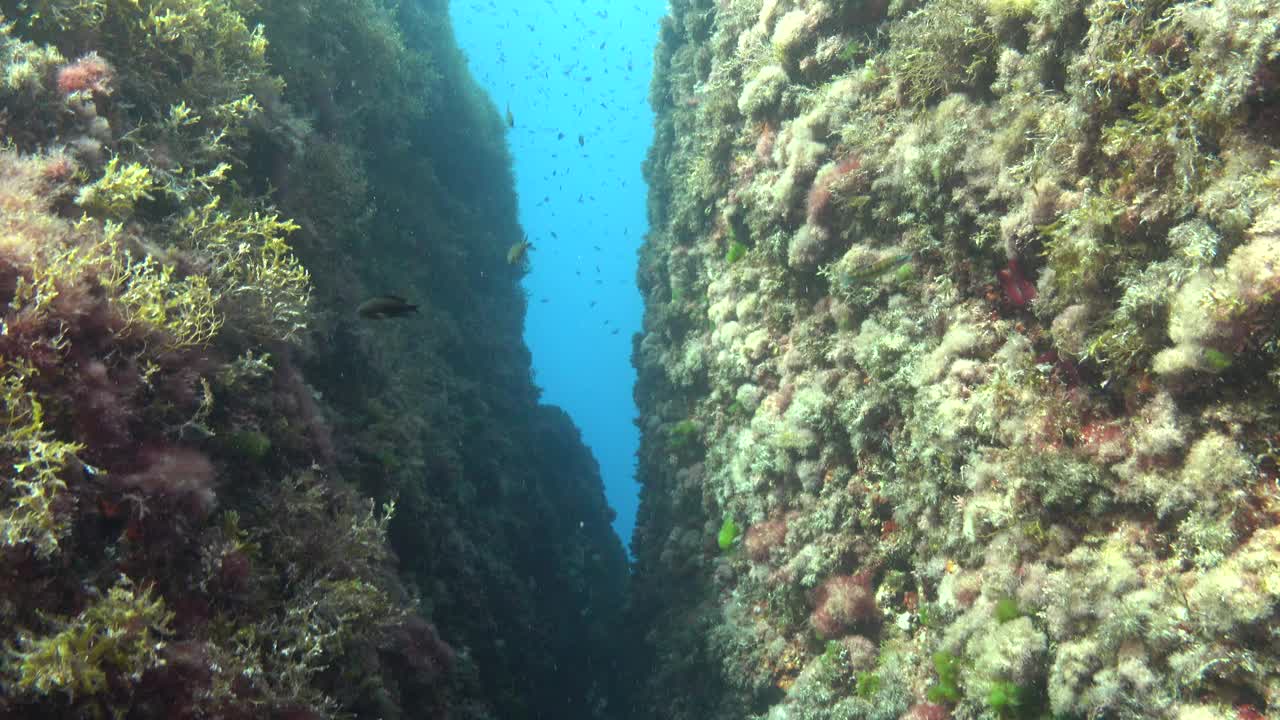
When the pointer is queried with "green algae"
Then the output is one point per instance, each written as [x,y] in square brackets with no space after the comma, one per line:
[728,535]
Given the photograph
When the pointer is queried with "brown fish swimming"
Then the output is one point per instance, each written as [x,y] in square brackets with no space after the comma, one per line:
[382,307]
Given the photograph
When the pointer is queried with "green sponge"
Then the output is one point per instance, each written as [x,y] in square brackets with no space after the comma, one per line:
[729,532]
[1005,698]
[947,689]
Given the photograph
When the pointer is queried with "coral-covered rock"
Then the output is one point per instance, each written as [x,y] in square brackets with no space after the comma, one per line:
[843,603]
[90,74]
[173,478]
[1011,342]
[763,539]
[209,464]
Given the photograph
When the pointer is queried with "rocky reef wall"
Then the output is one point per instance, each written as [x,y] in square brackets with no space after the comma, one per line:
[229,496]
[960,361]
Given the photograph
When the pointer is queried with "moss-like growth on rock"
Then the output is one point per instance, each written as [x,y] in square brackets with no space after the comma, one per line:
[116,639]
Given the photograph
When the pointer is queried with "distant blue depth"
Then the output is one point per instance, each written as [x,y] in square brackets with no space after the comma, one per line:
[571,68]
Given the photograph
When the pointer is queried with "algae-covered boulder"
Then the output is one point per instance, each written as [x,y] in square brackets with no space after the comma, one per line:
[1062,405]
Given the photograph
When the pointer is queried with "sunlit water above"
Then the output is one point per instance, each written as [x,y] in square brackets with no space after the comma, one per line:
[575,78]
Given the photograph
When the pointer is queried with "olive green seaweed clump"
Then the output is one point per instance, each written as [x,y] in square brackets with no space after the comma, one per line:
[117,638]
[259,278]
[195,69]
[35,485]
[117,191]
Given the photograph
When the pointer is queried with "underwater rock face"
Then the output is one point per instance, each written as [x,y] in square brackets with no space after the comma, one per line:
[227,495]
[963,312]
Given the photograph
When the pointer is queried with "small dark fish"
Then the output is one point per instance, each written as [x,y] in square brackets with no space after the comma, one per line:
[560,137]
[593,304]
[385,306]
[511,119]
[615,331]
[581,140]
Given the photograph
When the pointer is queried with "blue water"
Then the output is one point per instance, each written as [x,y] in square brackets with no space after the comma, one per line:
[570,69]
